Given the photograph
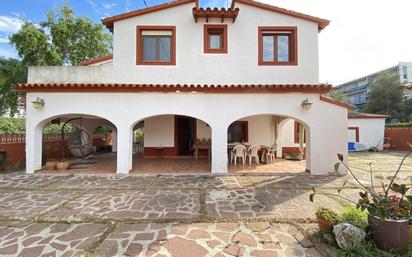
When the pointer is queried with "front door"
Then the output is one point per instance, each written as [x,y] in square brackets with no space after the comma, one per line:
[185,134]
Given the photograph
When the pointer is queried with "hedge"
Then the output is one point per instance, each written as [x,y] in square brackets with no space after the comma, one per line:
[399,125]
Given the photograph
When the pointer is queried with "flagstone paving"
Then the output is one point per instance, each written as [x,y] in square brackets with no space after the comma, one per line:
[136,205]
[188,215]
[21,204]
[264,203]
[203,239]
[46,239]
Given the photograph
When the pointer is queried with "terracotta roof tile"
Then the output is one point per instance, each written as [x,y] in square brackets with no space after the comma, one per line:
[215,13]
[336,102]
[322,23]
[108,22]
[96,60]
[359,115]
[407,86]
[315,88]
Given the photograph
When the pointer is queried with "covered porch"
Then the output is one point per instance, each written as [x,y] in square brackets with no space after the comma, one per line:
[182,144]
[106,164]
[172,131]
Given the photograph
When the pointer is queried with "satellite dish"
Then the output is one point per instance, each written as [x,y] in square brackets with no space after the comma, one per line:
[80,143]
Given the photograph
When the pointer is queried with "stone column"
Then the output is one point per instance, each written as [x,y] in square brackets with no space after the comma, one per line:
[322,149]
[124,149]
[219,148]
[34,138]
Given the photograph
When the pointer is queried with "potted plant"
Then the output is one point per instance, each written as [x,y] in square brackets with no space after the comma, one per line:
[51,164]
[389,209]
[62,165]
[326,219]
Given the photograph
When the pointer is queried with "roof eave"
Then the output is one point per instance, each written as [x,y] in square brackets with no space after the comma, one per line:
[109,21]
[322,23]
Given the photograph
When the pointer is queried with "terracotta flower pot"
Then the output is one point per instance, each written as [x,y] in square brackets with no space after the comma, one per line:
[51,165]
[389,235]
[62,165]
[410,233]
[324,225]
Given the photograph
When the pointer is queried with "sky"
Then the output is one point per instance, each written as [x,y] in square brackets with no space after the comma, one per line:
[364,36]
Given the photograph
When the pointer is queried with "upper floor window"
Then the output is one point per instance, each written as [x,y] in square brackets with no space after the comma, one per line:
[156,45]
[277,46]
[215,38]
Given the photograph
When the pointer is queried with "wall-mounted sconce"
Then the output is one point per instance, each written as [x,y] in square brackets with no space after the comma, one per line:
[38,104]
[306,105]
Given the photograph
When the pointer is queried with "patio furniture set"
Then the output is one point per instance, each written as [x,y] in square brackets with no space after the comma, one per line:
[245,152]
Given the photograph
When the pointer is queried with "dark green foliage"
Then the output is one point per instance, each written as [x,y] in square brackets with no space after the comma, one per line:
[12,125]
[337,94]
[34,47]
[61,39]
[12,72]
[399,125]
[385,96]
[76,38]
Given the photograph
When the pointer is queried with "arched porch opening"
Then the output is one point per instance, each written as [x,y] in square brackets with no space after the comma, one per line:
[171,143]
[282,143]
[88,144]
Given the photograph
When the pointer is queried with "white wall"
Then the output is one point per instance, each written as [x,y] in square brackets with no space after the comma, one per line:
[203,131]
[260,129]
[238,66]
[325,120]
[159,131]
[371,131]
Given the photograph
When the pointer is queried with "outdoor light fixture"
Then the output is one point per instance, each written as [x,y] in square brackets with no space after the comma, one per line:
[306,104]
[38,104]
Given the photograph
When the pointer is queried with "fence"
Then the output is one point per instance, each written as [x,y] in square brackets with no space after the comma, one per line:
[14,145]
[400,137]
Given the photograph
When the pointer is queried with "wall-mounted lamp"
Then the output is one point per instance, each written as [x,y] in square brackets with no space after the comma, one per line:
[306,105]
[38,104]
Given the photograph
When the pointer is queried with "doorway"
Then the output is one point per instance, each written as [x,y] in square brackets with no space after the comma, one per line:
[185,134]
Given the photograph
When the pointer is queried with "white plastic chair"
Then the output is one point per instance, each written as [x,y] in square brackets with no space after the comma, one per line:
[270,154]
[239,151]
[252,152]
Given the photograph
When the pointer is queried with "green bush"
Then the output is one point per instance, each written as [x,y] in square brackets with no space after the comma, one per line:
[355,217]
[327,214]
[10,125]
[57,128]
[368,249]
[399,125]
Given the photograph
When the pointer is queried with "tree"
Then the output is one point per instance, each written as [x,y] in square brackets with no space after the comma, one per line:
[33,46]
[61,39]
[337,94]
[407,109]
[386,96]
[12,72]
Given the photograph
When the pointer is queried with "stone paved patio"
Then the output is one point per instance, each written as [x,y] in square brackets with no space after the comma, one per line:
[187,215]
[106,164]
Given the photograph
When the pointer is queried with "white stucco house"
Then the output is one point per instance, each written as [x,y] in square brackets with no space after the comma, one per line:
[186,75]
[366,129]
